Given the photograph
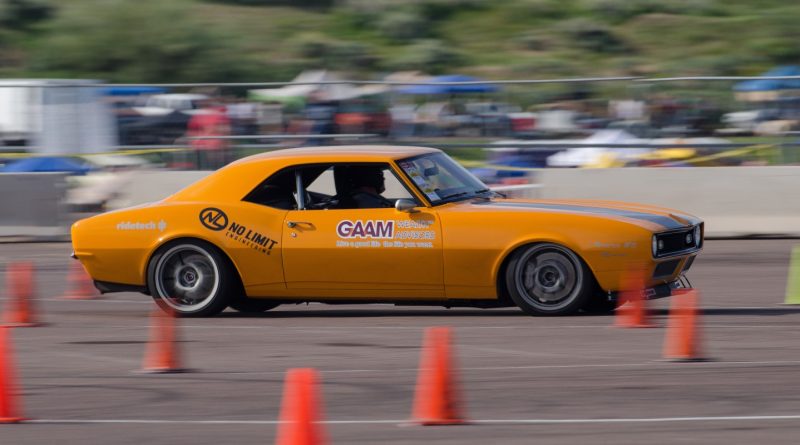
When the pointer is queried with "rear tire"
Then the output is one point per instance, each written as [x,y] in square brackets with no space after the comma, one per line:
[548,279]
[192,278]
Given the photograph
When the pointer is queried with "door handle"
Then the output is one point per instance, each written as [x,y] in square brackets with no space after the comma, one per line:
[293,224]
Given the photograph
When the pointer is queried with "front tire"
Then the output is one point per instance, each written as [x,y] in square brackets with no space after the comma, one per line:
[192,278]
[548,279]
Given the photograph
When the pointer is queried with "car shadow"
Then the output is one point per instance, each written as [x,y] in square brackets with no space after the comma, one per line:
[377,313]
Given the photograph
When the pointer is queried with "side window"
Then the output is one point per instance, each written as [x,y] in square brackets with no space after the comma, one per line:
[368,186]
[277,191]
[332,186]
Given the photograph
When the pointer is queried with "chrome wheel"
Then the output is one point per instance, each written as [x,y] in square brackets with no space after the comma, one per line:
[547,279]
[187,278]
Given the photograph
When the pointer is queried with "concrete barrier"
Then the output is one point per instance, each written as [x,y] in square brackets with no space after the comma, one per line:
[33,206]
[734,201]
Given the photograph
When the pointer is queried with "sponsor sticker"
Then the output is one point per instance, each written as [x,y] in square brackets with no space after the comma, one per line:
[361,234]
[215,219]
[138,225]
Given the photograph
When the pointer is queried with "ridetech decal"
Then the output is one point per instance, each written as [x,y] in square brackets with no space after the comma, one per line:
[365,229]
[137,225]
[216,220]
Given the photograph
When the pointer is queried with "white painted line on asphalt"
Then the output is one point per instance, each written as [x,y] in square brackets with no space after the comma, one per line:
[406,421]
[530,367]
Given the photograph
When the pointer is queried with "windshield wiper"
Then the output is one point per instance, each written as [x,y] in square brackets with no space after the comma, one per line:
[455,195]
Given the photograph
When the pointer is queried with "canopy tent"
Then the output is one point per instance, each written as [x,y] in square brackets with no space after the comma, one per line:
[444,86]
[132,91]
[47,164]
[769,89]
[309,87]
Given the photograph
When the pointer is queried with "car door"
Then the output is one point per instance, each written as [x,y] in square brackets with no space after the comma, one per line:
[364,252]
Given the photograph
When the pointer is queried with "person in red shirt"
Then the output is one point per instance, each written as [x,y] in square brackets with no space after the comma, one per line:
[211,152]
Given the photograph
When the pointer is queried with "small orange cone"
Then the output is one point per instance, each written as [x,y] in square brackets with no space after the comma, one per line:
[80,284]
[19,307]
[10,411]
[301,410]
[162,355]
[634,314]
[682,341]
[437,399]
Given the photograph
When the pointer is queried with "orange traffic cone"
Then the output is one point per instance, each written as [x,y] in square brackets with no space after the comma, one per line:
[437,400]
[682,341]
[634,314]
[80,284]
[10,411]
[301,410]
[162,355]
[20,308]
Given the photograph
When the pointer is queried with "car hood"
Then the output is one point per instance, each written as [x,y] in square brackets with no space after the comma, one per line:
[657,218]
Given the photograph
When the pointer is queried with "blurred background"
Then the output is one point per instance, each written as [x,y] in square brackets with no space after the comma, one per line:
[112,94]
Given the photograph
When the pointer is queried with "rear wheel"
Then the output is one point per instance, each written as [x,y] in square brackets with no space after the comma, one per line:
[548,279]
[192,278]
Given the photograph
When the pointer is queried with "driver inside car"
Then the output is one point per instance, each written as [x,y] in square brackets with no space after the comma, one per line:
[368,184]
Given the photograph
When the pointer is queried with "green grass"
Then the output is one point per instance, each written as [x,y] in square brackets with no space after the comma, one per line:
[496,39]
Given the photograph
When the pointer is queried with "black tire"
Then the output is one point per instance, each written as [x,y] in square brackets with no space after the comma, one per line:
[192,278]
[548,279]
[252,305]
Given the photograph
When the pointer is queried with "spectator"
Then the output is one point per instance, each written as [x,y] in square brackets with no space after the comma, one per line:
[209,123]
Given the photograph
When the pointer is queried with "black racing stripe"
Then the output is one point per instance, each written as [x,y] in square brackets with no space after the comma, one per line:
[661,220]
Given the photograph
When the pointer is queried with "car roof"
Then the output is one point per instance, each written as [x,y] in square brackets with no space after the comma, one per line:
[325,153]
[234,181]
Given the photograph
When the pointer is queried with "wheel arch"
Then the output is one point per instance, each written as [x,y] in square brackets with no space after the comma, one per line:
[166,242]
[505,257]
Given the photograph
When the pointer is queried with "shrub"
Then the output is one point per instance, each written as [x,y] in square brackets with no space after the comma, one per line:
[403,25]
[593,36]
[430,55]
[144,41]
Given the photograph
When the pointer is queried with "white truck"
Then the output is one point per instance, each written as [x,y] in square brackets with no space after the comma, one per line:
[56,116]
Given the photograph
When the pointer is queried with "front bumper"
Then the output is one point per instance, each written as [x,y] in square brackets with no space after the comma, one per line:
[659,291]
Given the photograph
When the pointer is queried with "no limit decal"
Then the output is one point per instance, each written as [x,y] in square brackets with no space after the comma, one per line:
[216,220]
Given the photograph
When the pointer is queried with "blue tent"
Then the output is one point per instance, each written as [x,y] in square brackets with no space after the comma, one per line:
[132,91]
[450,89]
[42,164]
[772,84]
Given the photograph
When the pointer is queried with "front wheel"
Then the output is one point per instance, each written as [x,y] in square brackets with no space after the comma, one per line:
[191,278]
[548,279]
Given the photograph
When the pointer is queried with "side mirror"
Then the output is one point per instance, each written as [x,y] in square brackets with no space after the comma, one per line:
[405,205]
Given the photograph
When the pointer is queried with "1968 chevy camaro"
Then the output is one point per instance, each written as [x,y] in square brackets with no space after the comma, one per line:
[403,225]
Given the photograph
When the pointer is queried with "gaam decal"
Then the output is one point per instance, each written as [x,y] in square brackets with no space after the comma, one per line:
[365,229]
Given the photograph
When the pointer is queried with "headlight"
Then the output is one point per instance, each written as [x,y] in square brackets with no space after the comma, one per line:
[697,236]
[655,246]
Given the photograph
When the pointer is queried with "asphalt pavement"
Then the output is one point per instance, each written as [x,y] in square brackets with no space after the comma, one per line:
[565,380]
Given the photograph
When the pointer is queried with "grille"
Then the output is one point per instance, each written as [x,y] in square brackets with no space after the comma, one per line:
[675,242]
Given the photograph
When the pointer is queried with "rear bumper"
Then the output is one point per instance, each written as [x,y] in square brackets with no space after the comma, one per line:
[106,287]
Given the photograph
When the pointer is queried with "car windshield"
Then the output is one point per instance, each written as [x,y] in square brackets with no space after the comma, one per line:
[442,179]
